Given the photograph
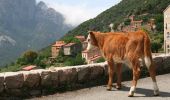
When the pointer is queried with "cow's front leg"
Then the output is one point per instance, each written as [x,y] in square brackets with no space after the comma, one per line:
[119,75]
[111,72]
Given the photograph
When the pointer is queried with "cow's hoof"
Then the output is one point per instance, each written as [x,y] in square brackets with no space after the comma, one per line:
[109,88]
[130,95]
[156,95]
[118,87]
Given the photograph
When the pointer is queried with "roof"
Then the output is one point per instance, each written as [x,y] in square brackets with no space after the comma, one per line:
[137,21]
[59,44]
[80,37]
[69,44]
[166,8]
[85,51]
[95,57]
[27,68]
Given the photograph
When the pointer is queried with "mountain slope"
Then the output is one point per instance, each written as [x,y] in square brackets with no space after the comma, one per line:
[117,14]
[25,24]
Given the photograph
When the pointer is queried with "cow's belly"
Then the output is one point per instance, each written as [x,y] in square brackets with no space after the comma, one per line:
[118,60]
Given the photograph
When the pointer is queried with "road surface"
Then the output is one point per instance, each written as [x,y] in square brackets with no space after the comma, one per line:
[144,91]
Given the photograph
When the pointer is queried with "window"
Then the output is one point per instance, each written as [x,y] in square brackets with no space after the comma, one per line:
[167,46]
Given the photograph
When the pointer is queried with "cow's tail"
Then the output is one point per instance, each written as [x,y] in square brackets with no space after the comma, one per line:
[147,50]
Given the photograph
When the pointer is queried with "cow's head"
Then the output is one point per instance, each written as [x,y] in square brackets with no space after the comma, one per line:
[91,40]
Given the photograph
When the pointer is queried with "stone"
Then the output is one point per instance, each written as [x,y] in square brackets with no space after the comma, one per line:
[67,75]
[14,80]
[46,78]
[54,78]
[96,72]
[35,92]
[31,79]
[166,62]
[2,82]
[83,73]
[158,63]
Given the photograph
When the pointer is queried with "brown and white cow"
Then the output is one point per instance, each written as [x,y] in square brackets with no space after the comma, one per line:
[129,48]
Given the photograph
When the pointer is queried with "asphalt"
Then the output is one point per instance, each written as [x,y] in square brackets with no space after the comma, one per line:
[144,91]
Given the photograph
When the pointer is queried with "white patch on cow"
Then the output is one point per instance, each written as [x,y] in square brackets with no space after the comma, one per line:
[128,63]
[156,89]
[89,45]
[132,90]
[117,59]
[141,61]
[147,62]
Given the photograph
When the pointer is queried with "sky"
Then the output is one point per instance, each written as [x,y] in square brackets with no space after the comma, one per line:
[78,11]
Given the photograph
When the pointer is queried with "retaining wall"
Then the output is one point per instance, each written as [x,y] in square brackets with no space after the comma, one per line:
[39,82]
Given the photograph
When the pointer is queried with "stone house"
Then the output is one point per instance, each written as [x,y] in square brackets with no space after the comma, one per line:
[167,30]
[91,56]
[71,49]
[81,38]
[56,48]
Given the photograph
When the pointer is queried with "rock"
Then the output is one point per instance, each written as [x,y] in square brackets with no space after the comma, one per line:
[31,79]
[96,72]
[83,73]
[14,80]
[46,78]
[2,82]
[67,75]
[54,78]
[159,63]
[15,92]
[35,92]
[166,62]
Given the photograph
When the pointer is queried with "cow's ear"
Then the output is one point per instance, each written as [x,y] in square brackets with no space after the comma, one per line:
[93,38]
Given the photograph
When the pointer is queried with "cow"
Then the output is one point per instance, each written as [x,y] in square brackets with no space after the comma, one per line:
[129,48]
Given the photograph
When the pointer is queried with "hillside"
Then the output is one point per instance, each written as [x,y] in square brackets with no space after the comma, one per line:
[26,24]
[145,9]
[142,9]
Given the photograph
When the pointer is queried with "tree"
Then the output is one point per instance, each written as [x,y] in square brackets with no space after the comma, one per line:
[27,58]
[127,21]
[101,60]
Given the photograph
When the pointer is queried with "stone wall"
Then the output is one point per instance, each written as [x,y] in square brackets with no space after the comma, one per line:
[41,82]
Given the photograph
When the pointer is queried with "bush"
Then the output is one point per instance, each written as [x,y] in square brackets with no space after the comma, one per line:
[27,58]
[100,60]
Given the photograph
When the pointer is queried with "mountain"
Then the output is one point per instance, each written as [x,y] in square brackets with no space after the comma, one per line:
[142,9]
[26,24]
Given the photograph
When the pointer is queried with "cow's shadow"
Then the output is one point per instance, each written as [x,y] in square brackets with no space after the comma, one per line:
[146,92]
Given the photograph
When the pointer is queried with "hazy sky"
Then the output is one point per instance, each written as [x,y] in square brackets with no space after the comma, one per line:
[78,11]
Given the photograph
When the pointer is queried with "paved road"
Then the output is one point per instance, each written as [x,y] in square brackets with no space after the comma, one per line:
[144,92]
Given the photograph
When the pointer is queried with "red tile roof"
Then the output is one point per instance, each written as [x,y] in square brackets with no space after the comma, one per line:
[95,57]
[80,37]
[69,44]
[27,68]
[59,44]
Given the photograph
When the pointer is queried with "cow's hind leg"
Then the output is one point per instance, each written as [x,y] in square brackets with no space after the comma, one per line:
[136,75]
[111,72]
[119,75]
[152,72]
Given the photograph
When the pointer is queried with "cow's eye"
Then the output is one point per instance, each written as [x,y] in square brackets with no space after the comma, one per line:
[88,40]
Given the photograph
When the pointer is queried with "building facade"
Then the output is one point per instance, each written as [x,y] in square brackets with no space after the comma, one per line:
[167,30]
[91,56]
[55,49]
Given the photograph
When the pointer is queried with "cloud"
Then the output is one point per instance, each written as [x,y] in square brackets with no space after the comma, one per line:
[78,12]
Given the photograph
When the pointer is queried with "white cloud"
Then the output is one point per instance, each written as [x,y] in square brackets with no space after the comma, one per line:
[74,15]
[77,13]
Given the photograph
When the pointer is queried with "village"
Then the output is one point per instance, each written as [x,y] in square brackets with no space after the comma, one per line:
[94,55]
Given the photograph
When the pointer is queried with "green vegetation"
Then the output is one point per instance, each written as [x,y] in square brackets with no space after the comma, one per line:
[142,9]
[100,60]
[28,58]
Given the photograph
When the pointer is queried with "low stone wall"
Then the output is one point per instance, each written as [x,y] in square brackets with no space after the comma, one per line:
[40,82]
